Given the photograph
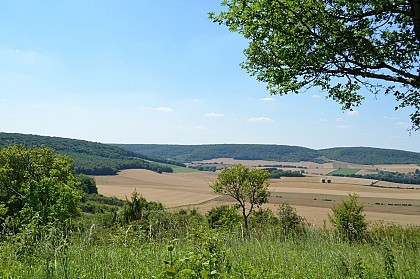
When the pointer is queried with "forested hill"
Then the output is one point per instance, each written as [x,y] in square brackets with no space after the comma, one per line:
[356,155]
[370,155]
[90,157]
[187,153]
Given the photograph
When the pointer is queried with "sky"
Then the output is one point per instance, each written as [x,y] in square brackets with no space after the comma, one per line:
[120,71]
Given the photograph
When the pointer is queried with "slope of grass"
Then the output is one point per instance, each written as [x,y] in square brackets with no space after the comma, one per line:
[344,172]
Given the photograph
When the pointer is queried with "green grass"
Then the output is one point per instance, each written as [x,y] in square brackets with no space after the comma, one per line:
[177,169]
[129,255]
[344,171]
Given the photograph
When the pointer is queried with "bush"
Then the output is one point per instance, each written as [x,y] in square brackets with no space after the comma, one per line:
[263,217]
[138,208]
[348,219]
[290,220]
[224,216]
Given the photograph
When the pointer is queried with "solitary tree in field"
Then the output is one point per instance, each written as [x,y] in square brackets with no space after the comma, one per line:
[248,186]
[344,47]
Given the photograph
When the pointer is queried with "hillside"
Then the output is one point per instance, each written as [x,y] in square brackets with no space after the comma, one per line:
[370,155]
[90,157]
[283,153]
[188,153]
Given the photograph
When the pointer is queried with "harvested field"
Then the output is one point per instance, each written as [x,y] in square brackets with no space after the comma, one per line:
[315,168]
[312,198]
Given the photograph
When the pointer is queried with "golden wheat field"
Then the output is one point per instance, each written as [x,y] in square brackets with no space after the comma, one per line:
[312,198]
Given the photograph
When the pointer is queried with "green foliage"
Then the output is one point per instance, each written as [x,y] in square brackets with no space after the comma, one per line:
[341,47]
[87,184]
[224,216]
[282,153]
[245,185]
[290,221]
[370,155]
[343,172]
[37,188]
[396,177]
[208,258]
[189,153]
[138,208]
[262,218]
[89,157]
[348,219]
[130,251]
[277,173]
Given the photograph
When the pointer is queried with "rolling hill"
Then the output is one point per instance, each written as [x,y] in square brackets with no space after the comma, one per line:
[283,153]
[90,157]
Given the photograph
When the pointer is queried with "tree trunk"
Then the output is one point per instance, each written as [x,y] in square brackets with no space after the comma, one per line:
[245,219]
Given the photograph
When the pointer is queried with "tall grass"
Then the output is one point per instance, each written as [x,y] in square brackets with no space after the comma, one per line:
[131,252]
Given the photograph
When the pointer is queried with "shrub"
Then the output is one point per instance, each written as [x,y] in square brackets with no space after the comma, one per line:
[263,217]
[224,216]
[138,208]
[289,219]
[348,219]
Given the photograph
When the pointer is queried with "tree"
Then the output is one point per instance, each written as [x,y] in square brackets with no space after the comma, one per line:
[340,46]
[348,219]
[37,187]
[245,185]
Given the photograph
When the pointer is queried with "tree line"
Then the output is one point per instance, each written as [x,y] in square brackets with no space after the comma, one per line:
[90,157]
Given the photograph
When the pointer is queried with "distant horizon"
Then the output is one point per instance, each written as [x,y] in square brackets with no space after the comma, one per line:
[186,144]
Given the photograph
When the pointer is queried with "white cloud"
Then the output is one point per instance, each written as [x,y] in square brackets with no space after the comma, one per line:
[339,119]
[164,109]
[390,118]
[345,126]
[268,99]
[197,101]
[260,120]
[353,113]
[404,125]
[213,115]
[199,127]
[320,120]
[315,96]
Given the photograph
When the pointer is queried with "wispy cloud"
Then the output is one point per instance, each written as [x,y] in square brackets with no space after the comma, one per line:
[213,115]
[404,125]
[315,96]
[268,99]
[390,118]
[163,109]
[353,113]
[199,127]
[345,126]
[320,120]
[260,120]
[197,100]
[339,119]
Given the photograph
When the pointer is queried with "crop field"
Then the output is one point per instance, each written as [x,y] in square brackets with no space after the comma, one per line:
[316,168]
[312,198]
[344,171]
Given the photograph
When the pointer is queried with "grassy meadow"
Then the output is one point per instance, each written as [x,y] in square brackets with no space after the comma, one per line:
[181,245]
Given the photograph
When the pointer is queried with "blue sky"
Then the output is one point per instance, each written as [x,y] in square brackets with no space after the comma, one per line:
[161,72]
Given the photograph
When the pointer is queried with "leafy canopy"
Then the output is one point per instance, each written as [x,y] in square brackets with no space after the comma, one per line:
[246,185]
[348,219]
[340,46]
[37,187]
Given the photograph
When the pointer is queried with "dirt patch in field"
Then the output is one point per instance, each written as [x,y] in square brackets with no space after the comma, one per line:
[312,198]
